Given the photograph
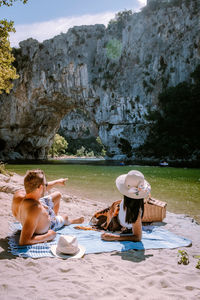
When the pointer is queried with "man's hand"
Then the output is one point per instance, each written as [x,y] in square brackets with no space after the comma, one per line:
[28,236]
[51,235]
[53,183]
[38,238]
[62,181]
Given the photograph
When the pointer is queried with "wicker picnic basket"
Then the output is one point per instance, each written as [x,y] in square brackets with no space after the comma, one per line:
[154,210]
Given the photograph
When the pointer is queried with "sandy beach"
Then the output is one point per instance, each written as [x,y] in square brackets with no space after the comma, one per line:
[149,274]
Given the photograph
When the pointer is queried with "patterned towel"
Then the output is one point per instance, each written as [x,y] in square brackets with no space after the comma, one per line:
[153,237]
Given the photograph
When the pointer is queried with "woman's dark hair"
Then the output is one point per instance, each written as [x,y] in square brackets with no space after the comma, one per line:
[133,207]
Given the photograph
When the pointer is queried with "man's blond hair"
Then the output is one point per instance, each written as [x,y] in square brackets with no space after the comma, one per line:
[33,179]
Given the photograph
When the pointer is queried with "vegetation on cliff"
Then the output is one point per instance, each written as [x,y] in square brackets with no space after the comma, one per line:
[120,19]
[174,125]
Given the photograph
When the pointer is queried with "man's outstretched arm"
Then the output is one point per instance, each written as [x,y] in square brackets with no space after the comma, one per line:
[53,183]
[28,236]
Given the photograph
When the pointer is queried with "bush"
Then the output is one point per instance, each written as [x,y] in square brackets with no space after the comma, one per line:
[89,144]
[174,126]
[89,154]
[103,150]
[81,151]
[3,170]
[59,146]
[117,24]
[114,51]
[121,17]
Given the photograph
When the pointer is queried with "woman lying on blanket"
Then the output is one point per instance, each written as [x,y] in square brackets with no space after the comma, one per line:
[125,215]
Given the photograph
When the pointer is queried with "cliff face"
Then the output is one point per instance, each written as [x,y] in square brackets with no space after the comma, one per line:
[98,81]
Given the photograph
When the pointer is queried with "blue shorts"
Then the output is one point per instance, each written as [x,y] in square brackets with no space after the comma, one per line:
[56,221]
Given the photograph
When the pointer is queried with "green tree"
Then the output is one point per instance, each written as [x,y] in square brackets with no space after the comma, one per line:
[10,2]
[119,22]
[59,146]
[103,150]
[81,151]
[121,17]
[7,70]
[174,126]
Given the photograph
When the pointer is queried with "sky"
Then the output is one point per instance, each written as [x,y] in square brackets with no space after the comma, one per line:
[43,19]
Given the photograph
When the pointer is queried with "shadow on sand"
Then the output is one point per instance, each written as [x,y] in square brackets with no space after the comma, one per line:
[133,255]
[5,254]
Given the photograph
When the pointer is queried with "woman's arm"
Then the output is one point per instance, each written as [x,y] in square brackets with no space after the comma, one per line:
[135,237]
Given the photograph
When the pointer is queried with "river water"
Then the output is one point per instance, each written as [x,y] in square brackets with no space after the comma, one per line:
[179,187]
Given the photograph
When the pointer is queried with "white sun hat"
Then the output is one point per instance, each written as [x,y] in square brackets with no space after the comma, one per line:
[68,247]
[133,185]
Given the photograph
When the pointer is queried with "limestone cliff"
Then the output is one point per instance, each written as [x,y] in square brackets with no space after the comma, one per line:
[99,81]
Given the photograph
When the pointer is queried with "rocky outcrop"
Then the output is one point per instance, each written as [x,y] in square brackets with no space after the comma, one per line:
[99,81]
[10,184]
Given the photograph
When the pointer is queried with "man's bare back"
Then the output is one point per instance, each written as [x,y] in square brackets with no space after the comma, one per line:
[21,207]
[35,215]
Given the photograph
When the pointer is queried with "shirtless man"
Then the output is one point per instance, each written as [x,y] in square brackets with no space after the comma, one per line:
[37,213]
